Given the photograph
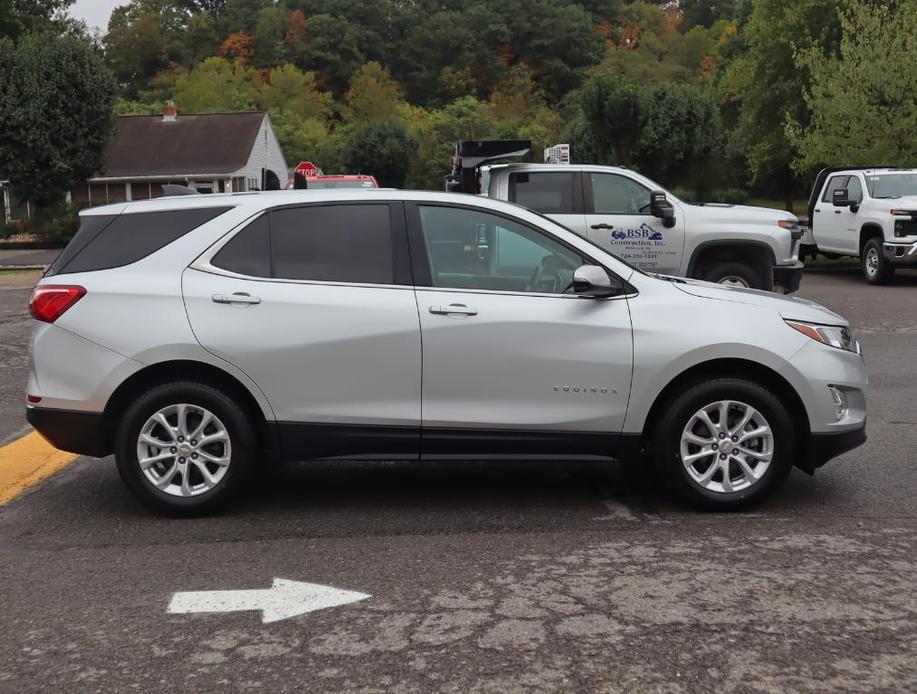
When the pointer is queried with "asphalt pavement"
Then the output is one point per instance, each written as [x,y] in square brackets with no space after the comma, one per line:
[493,577]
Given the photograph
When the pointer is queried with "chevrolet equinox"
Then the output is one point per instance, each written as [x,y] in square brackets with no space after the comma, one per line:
[199,337]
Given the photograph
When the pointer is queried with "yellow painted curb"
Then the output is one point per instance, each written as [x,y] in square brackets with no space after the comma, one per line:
[26,462]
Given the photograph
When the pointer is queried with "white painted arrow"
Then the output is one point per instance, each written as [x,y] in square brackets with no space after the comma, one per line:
[282,600]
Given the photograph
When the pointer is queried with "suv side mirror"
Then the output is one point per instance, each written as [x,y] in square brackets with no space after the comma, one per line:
[661,207]
[840,199]
[593,282]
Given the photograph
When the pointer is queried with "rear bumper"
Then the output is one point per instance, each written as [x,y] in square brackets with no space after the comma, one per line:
[70,430]
[820,448]
[900,253]
[787,277]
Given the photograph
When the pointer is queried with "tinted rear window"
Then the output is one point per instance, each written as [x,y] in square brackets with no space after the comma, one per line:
[127,238]
[335,243]
[548,193]
[249,251]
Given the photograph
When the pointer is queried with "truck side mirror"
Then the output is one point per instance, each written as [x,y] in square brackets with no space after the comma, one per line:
[661,207]
[840,199]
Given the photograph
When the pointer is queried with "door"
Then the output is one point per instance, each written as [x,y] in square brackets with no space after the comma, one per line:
[315,304]
[618,218]
[830,223]
[514,362]
[557,194]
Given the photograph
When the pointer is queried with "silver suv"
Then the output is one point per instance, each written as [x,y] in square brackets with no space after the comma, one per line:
[200,337]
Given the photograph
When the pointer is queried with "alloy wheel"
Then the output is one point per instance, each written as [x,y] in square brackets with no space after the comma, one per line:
[727,446]
[872,262]
[184,450]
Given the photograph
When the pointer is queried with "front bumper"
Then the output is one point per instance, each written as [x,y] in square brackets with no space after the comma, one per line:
[71,430]
[821,447]
[787,277]
[900,253]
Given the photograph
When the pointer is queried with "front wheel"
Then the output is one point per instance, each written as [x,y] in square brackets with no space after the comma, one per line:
[725,444]
[876,268]
[184,448]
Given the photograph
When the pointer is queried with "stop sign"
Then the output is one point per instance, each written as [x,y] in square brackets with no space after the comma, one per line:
[306,168]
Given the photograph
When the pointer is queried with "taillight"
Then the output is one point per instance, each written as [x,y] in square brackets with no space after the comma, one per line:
[49,301]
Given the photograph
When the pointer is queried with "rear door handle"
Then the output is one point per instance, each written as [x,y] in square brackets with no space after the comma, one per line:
[603,226]
[236,298]
[454,309]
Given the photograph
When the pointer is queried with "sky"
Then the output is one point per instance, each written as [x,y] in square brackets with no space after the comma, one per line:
[94,12]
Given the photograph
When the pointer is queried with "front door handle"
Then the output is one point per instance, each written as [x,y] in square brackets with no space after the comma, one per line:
[603,226]
[454,309]
[236,298]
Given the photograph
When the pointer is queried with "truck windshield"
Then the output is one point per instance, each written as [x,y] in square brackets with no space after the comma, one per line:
[893,185]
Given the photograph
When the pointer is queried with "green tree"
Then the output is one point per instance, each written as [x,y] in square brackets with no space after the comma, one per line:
[218,85]
[292,90]
[332,49]
[383,150]
[863,102]
[766,88]
[616,111]
[373,95]
[56,101]
[135,46]
[681,142]
[272,26]
[18,17]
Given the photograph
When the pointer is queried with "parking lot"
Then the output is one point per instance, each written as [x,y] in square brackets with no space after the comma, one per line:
[497,577]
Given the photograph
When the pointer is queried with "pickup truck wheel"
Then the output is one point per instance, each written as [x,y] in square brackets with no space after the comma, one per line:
[876,269]
[724,444]
[735,274]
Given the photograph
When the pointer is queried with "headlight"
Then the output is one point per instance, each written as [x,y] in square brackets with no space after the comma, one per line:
[789,224]
[839,336]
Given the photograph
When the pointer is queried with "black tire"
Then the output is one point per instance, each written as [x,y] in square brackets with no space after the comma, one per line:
[666,443]
[876,269]
[234,419]
[729,269]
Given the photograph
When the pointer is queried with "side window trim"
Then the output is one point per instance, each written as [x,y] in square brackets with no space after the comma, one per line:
[401,255]
[421,263]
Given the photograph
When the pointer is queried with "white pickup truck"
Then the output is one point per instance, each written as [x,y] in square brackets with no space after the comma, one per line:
[869,213]
[634,218]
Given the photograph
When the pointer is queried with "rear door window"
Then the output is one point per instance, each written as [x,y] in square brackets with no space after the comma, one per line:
[127,238]
[334,243]
[547,192]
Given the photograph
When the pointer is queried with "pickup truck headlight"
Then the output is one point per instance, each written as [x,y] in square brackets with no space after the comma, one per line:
[839,336]
[789,224]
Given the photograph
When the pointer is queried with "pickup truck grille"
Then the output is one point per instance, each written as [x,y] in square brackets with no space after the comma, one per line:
[906,227]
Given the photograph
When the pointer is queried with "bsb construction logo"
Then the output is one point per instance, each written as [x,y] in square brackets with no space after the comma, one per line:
[643,234]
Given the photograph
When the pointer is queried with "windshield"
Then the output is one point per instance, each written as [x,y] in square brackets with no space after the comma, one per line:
[892,185]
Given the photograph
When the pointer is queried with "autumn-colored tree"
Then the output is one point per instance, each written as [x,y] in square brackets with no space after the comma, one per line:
[238,47]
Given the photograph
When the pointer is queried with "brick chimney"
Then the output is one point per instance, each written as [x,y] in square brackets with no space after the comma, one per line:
[169,112]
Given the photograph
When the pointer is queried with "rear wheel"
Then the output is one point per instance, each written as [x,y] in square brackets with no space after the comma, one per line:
[876,269]
[736,274]
[725,444]
[184,448]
